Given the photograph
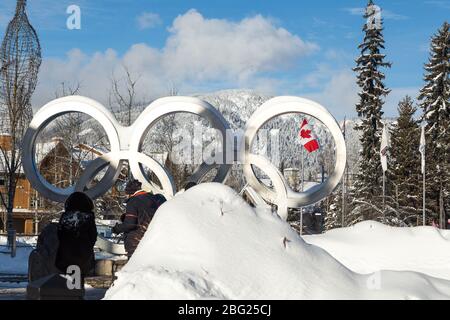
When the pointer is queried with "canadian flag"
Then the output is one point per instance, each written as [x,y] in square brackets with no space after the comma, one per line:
[307,138]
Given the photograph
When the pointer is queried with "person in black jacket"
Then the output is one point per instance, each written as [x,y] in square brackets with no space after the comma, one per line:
[77,234]
[140,209]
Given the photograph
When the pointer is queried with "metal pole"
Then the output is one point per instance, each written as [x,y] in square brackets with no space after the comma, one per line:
[423,199]
[384,193]
[303,189]
[441,210]
[344,178]
[343,201]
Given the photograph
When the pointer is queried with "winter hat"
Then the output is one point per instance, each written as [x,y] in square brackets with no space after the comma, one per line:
[79,201]
[133,186]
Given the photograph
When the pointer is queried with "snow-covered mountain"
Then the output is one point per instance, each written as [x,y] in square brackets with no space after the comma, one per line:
[237,106]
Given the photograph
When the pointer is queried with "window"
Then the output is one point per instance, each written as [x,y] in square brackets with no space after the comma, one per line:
[2,182]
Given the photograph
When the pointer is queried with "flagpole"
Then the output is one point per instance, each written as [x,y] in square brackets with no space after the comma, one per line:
[422,150]
[384,192]
[344,180]
[343,201]
[303,189]
[383,154]
[310,143]
[423,204]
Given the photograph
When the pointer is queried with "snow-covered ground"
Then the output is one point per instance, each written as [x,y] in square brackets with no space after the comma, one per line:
[208,243]
[18,264]
[371,246]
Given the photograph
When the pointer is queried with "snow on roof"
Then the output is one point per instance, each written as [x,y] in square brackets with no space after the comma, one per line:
[209,243]
[99,150]
[44,148]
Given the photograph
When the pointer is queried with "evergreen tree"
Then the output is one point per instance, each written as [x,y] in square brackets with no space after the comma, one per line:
[334,204]
[435,103]
[405,167]
[333,219]
[367,189]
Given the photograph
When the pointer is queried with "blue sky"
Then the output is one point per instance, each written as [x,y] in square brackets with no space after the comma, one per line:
[304,48]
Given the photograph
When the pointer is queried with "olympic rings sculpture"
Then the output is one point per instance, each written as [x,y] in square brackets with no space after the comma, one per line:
[126,145]
[282,195]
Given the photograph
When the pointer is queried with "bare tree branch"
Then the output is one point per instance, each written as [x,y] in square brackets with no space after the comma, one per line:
[20,59]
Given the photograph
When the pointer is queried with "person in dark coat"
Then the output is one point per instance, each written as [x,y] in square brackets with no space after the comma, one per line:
[77,234]
[140,209]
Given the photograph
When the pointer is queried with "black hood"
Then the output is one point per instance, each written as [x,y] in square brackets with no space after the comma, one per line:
[79,201]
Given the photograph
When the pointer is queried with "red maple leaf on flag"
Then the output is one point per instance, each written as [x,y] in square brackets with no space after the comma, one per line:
[305,134]
[308,140]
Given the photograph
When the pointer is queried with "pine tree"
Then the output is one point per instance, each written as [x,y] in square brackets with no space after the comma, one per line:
[334,204]
[367,188]
[333,219]
[405,167]
[435,103]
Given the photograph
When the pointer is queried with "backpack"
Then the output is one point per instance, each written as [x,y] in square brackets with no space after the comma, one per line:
[41,261]
[146,216]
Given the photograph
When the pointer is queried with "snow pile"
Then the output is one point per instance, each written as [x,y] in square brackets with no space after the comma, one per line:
[208,243]
[371,246]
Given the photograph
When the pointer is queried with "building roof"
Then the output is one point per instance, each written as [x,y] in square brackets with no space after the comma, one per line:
[91,153]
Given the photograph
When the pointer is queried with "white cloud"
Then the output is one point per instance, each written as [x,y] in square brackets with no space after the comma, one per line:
[386,14]
[315,79]
[356,11]
[148,20]
[339,95]
[199,53]
[389,15]
[202,49]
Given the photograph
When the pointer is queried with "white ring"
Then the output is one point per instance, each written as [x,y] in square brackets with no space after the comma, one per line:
[277,107]
[47,114]
[126,143]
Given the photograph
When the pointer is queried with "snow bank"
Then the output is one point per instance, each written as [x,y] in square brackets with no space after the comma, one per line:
[208,243]
[371,246]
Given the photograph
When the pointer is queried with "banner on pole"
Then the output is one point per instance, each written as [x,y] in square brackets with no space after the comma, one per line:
[422,148]
[384,148]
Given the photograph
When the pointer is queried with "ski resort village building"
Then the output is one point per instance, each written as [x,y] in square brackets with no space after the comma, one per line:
[58,165]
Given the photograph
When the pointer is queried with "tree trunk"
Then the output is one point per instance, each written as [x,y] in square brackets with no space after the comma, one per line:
[10,208]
